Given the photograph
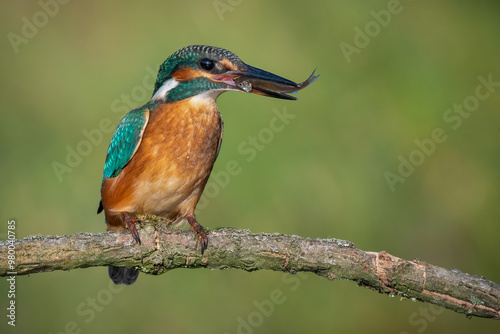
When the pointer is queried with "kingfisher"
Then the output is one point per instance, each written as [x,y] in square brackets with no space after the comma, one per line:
[161,154]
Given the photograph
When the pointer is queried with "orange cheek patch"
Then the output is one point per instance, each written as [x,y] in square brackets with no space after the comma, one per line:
[187,73]
[228,64]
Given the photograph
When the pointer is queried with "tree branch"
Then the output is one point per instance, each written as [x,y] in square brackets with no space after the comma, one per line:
[165,248]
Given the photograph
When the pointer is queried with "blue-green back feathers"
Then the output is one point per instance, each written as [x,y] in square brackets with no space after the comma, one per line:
[125,141]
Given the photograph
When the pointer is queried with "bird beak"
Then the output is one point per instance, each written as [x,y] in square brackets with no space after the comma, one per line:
[254,80]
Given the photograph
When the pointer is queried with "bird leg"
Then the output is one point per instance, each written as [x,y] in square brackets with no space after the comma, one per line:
[200,232]
[131,226]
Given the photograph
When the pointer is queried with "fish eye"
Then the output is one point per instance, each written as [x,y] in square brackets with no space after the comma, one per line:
[206,64]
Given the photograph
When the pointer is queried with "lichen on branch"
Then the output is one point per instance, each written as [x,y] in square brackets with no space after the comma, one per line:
[164,248]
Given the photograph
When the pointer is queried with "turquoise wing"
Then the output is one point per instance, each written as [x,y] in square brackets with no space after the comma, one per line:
[125,142]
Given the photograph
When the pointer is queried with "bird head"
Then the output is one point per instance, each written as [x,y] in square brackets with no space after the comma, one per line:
[201,69]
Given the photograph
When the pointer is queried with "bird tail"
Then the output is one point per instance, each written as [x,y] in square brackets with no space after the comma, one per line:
[122,275]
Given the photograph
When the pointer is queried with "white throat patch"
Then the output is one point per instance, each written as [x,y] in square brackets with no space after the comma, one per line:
[162,92]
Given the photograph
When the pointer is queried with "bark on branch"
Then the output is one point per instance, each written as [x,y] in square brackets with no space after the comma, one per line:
[165,248]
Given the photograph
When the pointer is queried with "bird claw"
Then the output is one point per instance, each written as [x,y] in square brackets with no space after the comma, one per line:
[200,233]
[202,236]
[135,234]
[131,226]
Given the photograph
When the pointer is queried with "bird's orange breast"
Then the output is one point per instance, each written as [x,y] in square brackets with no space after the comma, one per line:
[169,170]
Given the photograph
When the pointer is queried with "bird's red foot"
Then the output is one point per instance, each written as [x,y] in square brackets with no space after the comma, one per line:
[200,232]
[131,226]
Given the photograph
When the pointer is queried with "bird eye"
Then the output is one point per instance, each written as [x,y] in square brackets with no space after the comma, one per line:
[207,64]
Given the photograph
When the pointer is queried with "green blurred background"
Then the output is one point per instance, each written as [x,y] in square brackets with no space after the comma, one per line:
[322,176]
